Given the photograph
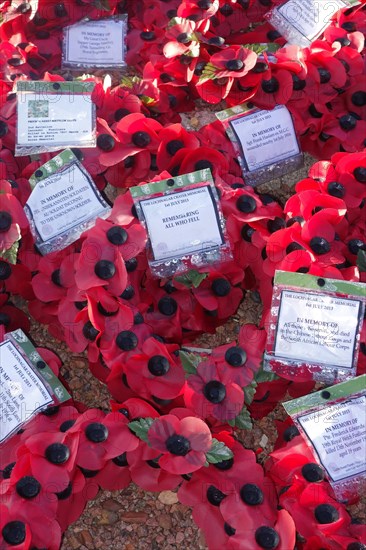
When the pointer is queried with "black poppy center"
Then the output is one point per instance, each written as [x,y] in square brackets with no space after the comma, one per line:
[126,340]
[234,65]
[203,165]
[178,445]
[246,204]
[347,122]
[56,277]
[104,269]
[336,189]
[251,494]
[13,532]
[96,432]
[270,86]
[158,365]
[141,139]
[183,38]
[147,36]
[214,391]
[359,98]
[5,220]
[167,305]
[360,174]
[117,235]
[173,146]
[3,128]
[235,356]
[5,270]
[120,460]
[312,472]
[28,487]
[267,538]
[319,245]
[106,142]
[63,495]
[214,495]
[221,287]
[326,513]
[224,464]
[57,453]
[90,332]
[324,75]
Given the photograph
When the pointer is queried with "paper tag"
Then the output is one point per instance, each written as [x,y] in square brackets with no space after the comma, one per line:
[338,434]
[22,392]
[95,43]
[182,223]
[317,328]
[52,120]
[62,201]
[310,17]
[266,137]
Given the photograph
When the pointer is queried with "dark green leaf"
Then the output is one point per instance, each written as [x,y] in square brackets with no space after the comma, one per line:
[257,48]
[264,376]
[190,361]
[361,260]
[249,392]
[218,452]
[243,420]
[191,278]
[141,427]
[11,254]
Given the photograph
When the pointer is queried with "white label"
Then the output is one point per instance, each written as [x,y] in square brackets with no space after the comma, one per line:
[338,434]
[62,201]
[55,119]
[22,393]
[266,137]
[95,43]
[317,328]
[310,17]
[182,223]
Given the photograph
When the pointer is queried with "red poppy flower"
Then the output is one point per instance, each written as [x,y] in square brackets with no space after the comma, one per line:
[182,39]
[207,395]
[22,526]
[12,221]
[146,472]
[183,443]
[102,437]
[155,371]
[12,318]
[315,511]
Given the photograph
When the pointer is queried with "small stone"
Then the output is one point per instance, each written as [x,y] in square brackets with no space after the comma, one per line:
[107,518]
[86,538]
[134,517]
[179,538]
[111,505]
[264,440]
[129,546]
[165,521]
[168,497]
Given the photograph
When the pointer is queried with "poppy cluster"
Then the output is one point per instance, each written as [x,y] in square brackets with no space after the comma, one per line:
[175,413]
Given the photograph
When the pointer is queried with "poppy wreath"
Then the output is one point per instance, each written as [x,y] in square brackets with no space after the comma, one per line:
[174,415]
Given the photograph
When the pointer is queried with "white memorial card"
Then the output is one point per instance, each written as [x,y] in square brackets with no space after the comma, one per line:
[317,328]
[310,17]
[182,223]
[338,434]
[95,43]
[59,120]
[62,201]
[22,392]
[266,137]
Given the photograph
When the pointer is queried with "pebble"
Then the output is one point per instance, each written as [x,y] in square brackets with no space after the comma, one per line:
[134,517]
[86,538]
[111,505]
[107,518]
[179,538]
[165,521]
[168,497]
